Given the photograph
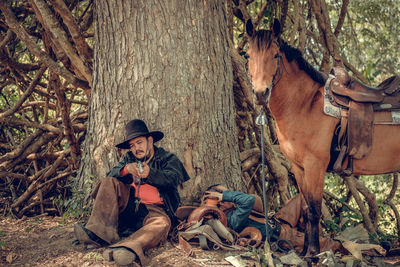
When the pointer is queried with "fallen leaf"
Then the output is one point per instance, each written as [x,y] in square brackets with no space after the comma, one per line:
[11,257]
[353,248]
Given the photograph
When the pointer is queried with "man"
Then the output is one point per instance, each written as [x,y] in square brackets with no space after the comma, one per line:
[243,210]
[136,200]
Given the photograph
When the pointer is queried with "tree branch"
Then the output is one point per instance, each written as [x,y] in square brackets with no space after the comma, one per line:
[32,187]
[342,16]
[351,184]
[20,31]
[52,25]
[73,28]
[390,197]
[26,94]
[46,127]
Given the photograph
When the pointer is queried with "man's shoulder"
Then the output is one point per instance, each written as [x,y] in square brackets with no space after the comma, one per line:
[161,153]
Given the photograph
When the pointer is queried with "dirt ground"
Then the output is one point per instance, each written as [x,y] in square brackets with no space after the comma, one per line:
[46,241]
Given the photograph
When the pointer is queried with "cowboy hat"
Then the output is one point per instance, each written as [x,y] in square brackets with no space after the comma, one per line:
[136,128]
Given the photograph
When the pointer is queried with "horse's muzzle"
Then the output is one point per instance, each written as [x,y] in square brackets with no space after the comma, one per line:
[261,97]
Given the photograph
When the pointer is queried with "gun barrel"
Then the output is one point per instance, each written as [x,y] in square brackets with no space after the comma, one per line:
[140,166]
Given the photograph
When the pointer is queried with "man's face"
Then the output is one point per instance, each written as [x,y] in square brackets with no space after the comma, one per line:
[225,205]
[141,146]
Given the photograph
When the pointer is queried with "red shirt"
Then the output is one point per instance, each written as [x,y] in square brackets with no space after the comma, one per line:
[147,193]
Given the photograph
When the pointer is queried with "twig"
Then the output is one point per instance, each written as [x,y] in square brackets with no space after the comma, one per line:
[330,195]
[26,94]
[68,130]
[389,199]
[351,184]
[21,148]
[7,38]
[371,200]
[58,177]
[32,187]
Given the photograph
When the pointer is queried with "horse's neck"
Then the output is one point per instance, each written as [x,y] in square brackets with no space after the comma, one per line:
[295,93]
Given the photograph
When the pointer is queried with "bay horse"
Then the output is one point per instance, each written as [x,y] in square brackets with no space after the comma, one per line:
[294,92]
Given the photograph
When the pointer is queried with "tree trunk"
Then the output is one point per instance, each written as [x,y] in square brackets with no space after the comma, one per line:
[168,63]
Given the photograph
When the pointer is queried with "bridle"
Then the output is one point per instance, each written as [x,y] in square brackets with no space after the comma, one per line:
[278,74]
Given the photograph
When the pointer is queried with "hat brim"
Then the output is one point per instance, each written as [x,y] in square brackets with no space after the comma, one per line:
[157,136]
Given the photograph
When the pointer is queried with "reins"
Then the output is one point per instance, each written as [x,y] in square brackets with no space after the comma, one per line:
[278,72]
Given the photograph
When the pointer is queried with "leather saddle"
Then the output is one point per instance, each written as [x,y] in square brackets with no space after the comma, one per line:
[358,104]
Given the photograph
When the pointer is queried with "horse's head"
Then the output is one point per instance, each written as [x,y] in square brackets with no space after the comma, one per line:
[263,60]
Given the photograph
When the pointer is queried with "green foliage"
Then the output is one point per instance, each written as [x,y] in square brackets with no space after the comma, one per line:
[258,254]
[370,39]
[332,226]
[93,256]
[380,186]
[74,206]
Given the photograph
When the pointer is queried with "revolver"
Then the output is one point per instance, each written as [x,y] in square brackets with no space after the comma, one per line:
[140,166]
[137,180]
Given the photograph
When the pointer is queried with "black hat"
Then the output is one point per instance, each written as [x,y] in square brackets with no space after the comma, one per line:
[136,128]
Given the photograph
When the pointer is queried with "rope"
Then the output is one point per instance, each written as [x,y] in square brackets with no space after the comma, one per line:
[262,120]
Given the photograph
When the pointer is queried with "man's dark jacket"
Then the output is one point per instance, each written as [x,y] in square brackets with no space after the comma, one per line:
[166,173]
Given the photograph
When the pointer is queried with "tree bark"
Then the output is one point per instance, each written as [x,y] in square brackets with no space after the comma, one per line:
[168,63]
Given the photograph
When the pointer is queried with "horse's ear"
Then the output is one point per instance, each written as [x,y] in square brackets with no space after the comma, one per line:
[276,28]
[249,28]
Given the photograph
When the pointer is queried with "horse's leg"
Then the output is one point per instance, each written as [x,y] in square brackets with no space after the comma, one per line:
[313,187]
[299,175]
[304,212]
[310,181]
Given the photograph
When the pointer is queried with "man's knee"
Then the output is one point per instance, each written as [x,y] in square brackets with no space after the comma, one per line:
[161,222]
[111,182]
[166,223]
[107,183]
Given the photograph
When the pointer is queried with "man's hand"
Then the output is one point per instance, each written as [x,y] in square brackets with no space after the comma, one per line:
[146,171]
[213,194]
[133,169]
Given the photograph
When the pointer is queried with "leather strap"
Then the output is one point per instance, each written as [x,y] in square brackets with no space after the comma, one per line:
[203,242]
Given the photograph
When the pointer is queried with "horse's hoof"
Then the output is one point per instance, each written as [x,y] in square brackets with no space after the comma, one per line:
[303,253]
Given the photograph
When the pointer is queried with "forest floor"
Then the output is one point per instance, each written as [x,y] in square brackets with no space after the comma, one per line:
[47,241]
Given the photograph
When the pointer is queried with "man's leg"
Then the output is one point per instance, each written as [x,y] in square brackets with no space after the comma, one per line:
[155,229]
[131,218]
[111,199]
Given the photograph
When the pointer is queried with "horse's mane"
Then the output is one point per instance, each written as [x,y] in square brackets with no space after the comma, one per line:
[262,39]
